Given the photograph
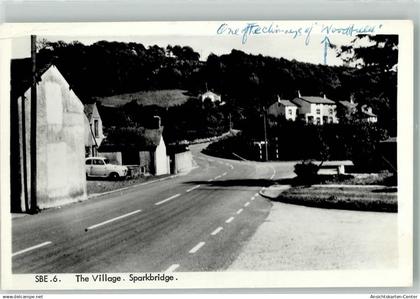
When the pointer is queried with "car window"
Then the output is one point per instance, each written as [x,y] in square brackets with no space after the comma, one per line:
[106,161]
[89,162]
[98,162]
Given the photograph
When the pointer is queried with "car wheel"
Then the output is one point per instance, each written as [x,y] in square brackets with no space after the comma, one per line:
[114,175]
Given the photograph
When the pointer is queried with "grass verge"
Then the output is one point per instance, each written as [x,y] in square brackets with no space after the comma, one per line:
[104,185]
[365,199]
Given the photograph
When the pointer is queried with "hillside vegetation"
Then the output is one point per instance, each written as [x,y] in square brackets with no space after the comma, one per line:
[162,98]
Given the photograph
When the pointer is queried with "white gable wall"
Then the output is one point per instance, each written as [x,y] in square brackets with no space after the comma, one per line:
[60,142]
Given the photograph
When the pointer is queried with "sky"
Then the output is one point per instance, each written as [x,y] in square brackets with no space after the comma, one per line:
[274,46]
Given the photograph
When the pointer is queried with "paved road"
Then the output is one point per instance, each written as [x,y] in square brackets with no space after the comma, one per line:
[195,222]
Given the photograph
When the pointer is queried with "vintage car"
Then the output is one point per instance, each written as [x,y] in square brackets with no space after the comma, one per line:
[101,167]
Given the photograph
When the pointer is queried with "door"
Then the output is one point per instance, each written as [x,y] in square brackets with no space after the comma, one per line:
[98,167]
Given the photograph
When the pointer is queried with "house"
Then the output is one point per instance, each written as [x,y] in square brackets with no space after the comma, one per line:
[94,129]
[60,132]
[142,147]
[362,114]
[350,107]
[316,110]
[283,108]
[366,114]
[212,96]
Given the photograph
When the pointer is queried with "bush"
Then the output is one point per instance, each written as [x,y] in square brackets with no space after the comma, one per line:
[306,171]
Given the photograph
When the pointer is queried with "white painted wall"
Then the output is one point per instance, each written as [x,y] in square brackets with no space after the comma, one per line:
[161,160]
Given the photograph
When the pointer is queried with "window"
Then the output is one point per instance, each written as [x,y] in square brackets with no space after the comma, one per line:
[96,127]
[310,119]
[331,110]
[98,162]
[330,119]
[89,162]
[318,111]
[290,111]
[318,120]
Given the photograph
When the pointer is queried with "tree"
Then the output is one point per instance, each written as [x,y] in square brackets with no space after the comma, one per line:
[376,57]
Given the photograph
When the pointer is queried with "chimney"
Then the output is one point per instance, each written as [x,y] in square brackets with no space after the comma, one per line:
[352,98]
[299,94]
[278,98]
[325,96]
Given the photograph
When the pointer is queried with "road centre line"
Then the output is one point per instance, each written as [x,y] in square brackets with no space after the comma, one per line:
[216,231]
[197,247]
[193,188]
[210,180]
[252,198]
[31,248]
[246,204]
[112,220]
[225,173]
[218,177]
[230,220]
[256,194]
[172,268]
[168,199]
[239,211]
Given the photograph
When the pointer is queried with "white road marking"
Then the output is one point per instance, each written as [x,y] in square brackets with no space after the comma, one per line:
[216,231]
[230,220]
[197,247]
[112,220]
[211,180]
[168,199]
[256,194]
[218,177]
[225,173]
[274,172]
[246,204]
[193,188]
[31,248]
[239,211]
[172,268]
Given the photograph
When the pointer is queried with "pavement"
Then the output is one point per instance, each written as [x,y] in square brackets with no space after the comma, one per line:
[295,237]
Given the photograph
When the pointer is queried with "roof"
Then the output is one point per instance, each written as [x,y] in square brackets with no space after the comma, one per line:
[122,139]
[390,140]
[315,100]
[348,105]
[286,103]
[335,163]
[210,92]
[21,75]
[368,114]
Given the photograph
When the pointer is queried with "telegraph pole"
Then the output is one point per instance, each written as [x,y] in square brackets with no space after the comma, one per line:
[33,141]
[265,134]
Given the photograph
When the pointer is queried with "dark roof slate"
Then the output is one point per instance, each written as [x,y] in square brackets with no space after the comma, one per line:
[316,100]
[141,139]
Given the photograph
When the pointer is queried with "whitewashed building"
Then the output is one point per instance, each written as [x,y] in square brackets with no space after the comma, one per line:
[316,110]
